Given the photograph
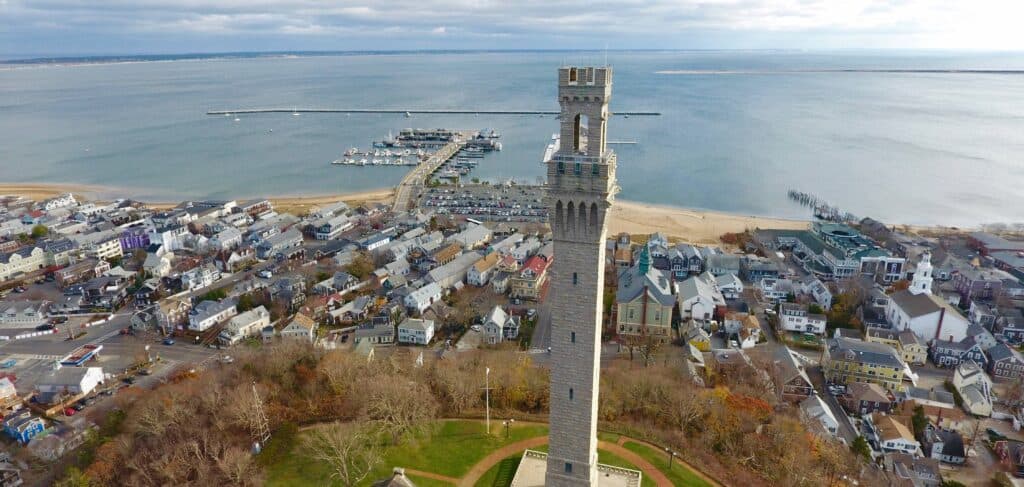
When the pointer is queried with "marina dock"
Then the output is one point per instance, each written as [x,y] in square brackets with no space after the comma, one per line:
[417,177]
[412,111]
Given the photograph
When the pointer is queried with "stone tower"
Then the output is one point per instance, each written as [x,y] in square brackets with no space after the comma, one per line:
[581,188]
[922,283]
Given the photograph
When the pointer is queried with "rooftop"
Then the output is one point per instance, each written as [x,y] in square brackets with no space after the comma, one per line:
[849,349]
[534,464]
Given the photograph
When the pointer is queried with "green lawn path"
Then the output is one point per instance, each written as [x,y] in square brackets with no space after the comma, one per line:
[451,449]
[679,475]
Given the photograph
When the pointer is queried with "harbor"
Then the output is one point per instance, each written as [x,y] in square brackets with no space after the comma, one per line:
[414,146]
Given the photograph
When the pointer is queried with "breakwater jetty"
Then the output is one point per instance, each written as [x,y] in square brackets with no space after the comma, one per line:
[411,111]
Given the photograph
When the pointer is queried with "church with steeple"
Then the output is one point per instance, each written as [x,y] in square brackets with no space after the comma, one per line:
[922,282]
[644,300]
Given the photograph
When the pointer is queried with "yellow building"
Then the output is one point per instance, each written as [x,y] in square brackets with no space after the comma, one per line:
[644,301]
[912,348]
[909,346]
[529,282]
[847,360]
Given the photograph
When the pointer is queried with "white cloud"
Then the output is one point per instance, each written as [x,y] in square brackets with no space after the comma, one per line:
[653,23]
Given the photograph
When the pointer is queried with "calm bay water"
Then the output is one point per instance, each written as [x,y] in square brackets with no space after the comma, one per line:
[738,128]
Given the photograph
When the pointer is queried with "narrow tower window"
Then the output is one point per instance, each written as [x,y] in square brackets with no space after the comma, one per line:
[595,170]
[578,169]
[561,167]
[572,337]
[568,467]
[579,133]
[575,279]
[570,393]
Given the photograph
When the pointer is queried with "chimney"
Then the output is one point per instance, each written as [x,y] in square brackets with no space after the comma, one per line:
[942,316]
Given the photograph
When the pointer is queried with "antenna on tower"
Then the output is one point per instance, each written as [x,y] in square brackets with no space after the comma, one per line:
[261,427]
[606,54]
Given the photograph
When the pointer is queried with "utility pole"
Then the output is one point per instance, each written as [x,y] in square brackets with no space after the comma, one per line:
[487,396]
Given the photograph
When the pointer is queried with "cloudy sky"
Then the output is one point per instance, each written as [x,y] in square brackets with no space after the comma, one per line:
[74,27]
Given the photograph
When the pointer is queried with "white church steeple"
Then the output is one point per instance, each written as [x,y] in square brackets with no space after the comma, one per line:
[922,283]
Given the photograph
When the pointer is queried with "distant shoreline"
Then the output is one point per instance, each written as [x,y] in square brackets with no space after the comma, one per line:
[688,224]
[696,226]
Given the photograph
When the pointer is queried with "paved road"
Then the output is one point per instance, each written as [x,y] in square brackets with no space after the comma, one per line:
[846,429]
[541,339]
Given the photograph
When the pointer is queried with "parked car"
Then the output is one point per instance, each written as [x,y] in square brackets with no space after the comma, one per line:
[145,372]
[69,411]
[44,327]
[128,380]
[168,341]
[59,320]
[265,274]
[19,289]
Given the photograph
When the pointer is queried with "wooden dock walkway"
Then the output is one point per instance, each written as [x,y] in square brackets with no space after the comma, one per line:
[415,179]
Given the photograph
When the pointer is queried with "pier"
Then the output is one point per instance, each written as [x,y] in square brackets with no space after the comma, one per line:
[411,111]
[416,178]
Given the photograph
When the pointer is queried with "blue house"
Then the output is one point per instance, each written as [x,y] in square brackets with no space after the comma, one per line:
[23,426]
[951,354]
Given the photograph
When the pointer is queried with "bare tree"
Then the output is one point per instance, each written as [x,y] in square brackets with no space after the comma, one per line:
[399,405]
[350,450]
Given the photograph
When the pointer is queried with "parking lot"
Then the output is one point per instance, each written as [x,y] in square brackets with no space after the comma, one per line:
[488,202]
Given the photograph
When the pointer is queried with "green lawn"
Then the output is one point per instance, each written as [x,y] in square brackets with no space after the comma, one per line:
[501,474]
[452,448]
[425,482]
[679,475]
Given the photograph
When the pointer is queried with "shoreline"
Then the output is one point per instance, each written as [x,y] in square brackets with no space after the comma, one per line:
[634,217]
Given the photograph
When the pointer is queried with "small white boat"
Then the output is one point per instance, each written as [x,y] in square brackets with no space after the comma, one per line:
[238,119]
[408,115]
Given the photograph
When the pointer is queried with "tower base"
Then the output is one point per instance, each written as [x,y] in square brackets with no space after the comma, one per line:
[533,467]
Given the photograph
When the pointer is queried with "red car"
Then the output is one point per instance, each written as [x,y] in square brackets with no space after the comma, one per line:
[69,411]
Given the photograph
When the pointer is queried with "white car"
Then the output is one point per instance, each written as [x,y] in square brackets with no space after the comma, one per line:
[265,274]
[476,328]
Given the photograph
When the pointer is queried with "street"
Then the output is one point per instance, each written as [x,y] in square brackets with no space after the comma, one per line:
[36,356]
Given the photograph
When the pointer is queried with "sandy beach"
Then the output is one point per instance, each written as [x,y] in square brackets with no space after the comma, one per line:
[39,191]
[695,226]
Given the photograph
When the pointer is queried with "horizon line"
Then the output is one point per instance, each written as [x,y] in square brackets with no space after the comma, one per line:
[26,59]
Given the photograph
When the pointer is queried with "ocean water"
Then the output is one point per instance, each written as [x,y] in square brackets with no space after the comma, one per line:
[895,136]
